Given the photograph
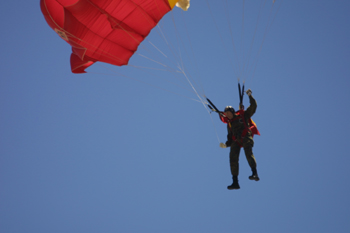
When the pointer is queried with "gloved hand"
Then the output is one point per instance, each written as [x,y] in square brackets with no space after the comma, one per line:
[223,145]
[249,92]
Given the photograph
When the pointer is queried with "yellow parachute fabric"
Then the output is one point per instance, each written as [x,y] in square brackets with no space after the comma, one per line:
[183,4]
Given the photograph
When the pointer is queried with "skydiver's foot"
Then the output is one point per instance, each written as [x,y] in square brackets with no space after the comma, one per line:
[233,186]
[254,177]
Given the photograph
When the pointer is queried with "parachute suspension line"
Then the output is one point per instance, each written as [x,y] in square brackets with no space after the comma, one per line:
[274,17]
[255,63]
[182,66]
[157,49]
[170,47]
[216,131]
[151,59]
[194,89]
[235,53]
[247,62]
[162,34]
[151,52]
[268,27]
[247,56]
[257,56]
[242,38]
[169,69]
[162,77]
[213,109]
[154,46]
[120,74]
[222,41]
[180,41]
[193,54]
[152,68]
[167,80]
[169,44]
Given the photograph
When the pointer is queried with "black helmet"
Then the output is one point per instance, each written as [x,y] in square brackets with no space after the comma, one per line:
[230,109]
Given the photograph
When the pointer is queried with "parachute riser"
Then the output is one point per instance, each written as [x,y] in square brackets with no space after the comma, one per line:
[241,94]
[212,106]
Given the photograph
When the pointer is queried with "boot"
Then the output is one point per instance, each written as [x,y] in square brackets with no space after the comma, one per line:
[234,184]
[254,176]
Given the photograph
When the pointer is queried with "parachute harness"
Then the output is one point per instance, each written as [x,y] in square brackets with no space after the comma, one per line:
[239,115]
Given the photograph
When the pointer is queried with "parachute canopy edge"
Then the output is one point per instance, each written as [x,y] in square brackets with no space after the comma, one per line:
[79,65]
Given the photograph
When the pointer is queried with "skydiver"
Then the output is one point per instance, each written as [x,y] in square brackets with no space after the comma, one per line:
[240,130]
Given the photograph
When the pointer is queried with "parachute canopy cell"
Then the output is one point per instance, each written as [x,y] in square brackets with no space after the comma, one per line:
[104,30]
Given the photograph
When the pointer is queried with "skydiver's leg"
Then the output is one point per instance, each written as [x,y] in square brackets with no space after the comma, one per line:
[234,158]
[248,150]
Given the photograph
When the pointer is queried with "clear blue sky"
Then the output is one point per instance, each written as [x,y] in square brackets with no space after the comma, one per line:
[106,153]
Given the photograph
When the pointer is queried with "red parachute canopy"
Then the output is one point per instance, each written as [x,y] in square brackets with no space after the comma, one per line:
[103,30]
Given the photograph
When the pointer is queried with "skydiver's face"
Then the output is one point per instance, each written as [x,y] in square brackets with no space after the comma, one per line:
[229,114]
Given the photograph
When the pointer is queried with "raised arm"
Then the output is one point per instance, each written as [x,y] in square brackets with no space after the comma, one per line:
[253,105]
